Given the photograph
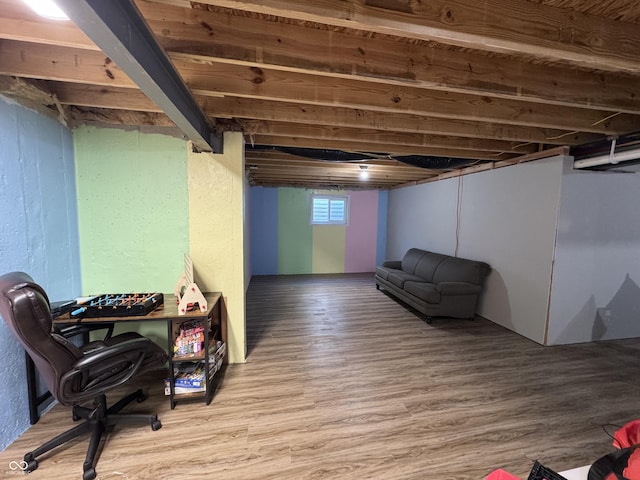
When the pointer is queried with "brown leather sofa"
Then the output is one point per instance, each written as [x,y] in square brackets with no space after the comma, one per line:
[434,284]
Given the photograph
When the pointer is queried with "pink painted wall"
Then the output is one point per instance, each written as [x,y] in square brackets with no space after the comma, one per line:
[362,232]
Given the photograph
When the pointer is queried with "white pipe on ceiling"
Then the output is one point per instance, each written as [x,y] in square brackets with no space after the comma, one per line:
[608,158]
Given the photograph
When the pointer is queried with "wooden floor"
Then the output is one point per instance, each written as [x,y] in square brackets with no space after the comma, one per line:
[343,382]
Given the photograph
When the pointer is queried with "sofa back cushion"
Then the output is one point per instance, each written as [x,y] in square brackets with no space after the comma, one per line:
[453,269]
[411,259]
[428,264]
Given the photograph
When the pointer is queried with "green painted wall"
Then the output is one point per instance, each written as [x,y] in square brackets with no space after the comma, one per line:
[133,209]
[295,233]
[133,212]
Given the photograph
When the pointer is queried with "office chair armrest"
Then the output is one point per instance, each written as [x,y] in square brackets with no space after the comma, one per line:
[69,331]
[103,369]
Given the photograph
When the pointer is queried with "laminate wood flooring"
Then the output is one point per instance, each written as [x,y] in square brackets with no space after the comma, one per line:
[344,382]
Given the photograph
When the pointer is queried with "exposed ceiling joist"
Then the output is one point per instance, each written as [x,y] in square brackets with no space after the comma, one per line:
[453,83]
[231,38]
[307,114]
[297,48]
[501,26]
[118,28]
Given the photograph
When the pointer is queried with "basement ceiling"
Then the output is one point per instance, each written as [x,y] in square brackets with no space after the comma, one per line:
[460,85]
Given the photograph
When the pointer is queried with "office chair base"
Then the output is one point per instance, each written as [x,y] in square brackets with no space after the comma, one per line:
[97,420]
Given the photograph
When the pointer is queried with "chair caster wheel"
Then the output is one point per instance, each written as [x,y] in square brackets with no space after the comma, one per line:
[32,463]
[31,466]
[141,397]
[156,425]
[89,474]
[377,287]
[429,320]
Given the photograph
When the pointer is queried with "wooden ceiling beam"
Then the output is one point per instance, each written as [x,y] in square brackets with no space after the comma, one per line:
[256,42]
[401,171]
[502,26]
[324,176]
[283,129]
[50,62]
[306,114]
[319,170]
[325,173]
[83,66]
[121,32]
[274,156]
[333,115]
[267,84]
[251,41]
[329,179]
[351,146]
[103,96]
[19,22]
[353,176]
[322,184]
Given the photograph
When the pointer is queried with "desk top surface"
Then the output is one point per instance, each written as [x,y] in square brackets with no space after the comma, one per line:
[168,310]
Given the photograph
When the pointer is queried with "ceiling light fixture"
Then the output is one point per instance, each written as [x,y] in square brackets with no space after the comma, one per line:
[47,9]
[364,172]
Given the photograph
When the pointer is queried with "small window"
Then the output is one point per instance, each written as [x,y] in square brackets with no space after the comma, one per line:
[329,210]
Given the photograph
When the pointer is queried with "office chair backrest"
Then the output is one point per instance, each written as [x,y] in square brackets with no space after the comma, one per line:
[24,306]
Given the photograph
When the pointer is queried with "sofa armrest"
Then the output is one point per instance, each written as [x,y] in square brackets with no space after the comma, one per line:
[396,264]
[458,288]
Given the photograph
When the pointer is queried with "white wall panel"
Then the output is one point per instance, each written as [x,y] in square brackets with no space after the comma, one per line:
[595,292]
[422,216]
[507,219]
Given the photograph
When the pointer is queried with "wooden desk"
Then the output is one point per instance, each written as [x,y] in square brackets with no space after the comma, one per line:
[168,313]
[165,312]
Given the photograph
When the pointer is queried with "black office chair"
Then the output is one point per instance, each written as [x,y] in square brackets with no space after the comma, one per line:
[75,375]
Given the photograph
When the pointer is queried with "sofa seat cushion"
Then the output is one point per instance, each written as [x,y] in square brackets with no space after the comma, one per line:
[398,278]
[383,272]
[427,292]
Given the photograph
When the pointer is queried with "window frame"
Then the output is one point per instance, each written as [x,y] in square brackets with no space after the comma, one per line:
[330,198]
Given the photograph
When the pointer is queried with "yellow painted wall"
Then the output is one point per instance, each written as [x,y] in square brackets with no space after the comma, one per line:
[328,248]
[328,243]
[216,231]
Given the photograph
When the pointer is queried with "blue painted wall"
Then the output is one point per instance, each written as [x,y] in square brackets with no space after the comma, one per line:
[264,231]
[383,208]
[38,233]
